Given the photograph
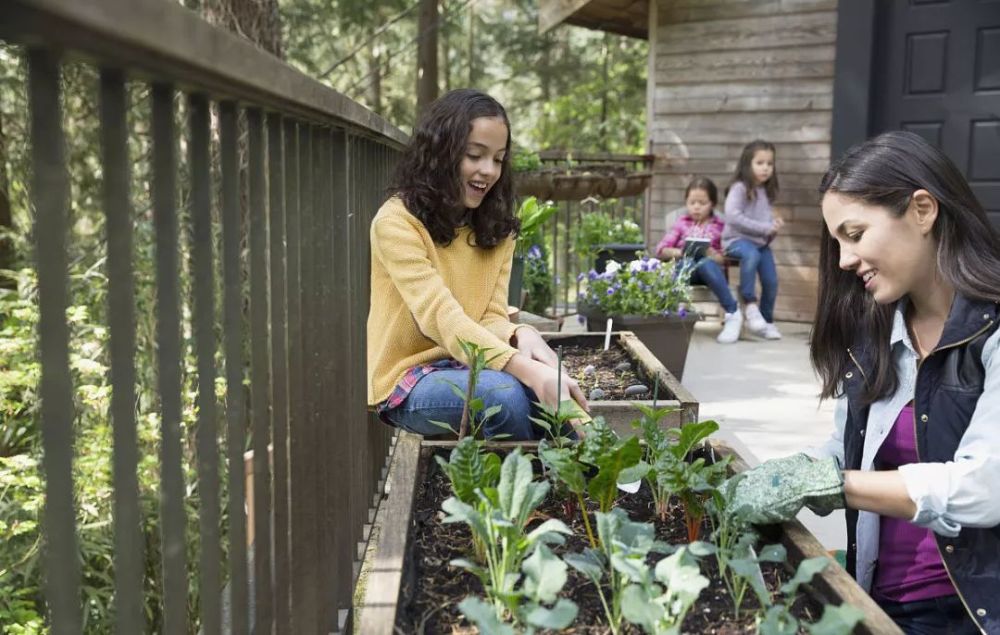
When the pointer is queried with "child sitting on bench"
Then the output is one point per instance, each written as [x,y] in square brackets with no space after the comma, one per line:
[696,240]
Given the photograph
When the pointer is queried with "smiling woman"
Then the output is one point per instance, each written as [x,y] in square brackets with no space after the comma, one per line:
[441,260]
[907,337]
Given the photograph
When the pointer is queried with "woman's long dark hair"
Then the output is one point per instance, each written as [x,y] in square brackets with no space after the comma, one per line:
[427,176]
[744,170]
[885,171]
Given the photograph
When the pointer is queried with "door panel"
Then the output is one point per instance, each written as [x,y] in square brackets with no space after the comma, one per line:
[937,73]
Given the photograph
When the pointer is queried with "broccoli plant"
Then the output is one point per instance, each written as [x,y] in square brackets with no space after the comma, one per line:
[659,601]
[499,520]
[544,575]
[625,546]
[778,619]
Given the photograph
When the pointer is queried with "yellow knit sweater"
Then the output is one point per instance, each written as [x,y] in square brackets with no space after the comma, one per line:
[426,297]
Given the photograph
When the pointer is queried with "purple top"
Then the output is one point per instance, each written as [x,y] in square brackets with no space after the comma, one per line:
[909,563]
[751,220]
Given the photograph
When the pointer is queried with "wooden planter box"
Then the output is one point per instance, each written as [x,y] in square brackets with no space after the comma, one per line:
[377,613]
[620,414]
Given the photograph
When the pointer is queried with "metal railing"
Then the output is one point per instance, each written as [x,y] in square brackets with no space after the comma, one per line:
[316,168]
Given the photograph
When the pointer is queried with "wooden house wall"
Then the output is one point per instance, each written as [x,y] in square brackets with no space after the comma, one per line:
[724,72]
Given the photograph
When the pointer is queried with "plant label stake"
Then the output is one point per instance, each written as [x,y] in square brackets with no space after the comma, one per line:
[607,335]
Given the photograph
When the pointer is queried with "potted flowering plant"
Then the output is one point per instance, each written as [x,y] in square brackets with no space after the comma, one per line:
[645,296]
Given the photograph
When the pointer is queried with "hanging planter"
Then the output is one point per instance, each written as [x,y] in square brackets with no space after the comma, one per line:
[583,181]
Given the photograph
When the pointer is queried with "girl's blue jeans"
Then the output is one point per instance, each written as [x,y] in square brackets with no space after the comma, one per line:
[708,272]
[756,261]
[433,399]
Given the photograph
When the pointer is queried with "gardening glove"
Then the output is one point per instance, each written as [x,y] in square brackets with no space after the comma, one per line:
[776,490]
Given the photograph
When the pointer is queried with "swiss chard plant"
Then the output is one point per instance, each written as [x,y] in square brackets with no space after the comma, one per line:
[595,466]
[499,520]
[673,469]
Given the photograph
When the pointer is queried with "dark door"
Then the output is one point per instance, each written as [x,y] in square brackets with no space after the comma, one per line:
[937,73]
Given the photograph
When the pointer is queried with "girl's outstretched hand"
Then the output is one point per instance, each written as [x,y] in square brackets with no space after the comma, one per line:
[531,344]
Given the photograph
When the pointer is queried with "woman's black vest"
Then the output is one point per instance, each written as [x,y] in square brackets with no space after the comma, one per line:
[949,383]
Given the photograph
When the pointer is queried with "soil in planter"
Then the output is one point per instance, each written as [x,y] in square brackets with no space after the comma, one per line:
[432,588]
[606,375]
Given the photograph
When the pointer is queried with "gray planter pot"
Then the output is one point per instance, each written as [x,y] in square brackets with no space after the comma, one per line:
[667,337]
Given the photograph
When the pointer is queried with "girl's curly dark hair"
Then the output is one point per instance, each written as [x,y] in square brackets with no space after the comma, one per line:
[427,175]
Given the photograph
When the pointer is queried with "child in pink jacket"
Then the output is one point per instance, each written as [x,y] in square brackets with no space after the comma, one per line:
[700,221]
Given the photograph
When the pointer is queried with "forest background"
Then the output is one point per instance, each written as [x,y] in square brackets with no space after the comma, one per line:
[569,89]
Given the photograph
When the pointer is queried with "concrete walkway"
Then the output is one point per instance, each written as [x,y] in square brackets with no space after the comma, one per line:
[764,396]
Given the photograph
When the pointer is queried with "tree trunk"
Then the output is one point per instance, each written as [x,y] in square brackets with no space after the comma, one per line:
[472,46]
[427,58]
[255,20]
[375,70]
[605,84]
[6,218]
[446,51]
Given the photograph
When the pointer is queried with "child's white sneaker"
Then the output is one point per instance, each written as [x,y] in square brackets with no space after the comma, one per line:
[756,323]
[731,325]
[771,332]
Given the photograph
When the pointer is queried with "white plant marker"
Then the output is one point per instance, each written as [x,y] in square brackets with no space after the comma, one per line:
[607,335]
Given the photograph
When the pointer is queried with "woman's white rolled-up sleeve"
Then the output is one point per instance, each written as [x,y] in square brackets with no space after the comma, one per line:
[964,492]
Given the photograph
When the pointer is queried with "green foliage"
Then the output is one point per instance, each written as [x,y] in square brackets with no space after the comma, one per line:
[644,287]
[601,228]
[533,216]
[525,161]
[499,520]
[625,546]
[659,602]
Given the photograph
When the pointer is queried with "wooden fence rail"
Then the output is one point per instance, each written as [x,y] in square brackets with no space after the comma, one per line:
[294,284]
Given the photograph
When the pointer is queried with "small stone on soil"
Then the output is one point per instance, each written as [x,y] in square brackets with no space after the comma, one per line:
[635,390]
[620,368]
[596,395]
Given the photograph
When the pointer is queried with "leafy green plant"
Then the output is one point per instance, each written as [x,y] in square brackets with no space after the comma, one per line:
[474,411]
[499,519]
[596,466]
[525,161]
[625,546]
[659,602]
[778,619]
[643,287]
[544,575]
[674,471]
[600,228]
[532,214]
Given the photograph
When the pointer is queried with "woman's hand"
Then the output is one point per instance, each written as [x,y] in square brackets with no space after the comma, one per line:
[715,256]
[545,382]
[530,344]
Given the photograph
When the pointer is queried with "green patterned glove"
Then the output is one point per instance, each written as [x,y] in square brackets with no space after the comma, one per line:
[776,490]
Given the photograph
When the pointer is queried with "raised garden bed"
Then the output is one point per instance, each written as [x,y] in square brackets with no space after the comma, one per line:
[414,589]
[644,369]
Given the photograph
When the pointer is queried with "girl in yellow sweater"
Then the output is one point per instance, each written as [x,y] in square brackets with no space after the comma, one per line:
[441,251]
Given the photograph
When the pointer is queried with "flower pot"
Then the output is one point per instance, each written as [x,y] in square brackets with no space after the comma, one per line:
[516,281]
[666,336]
[621,253]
